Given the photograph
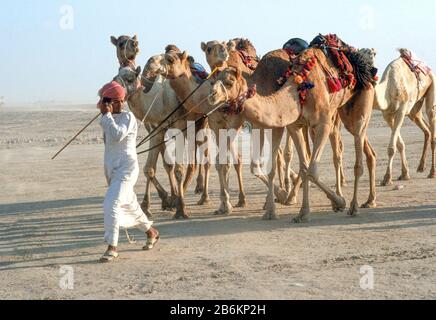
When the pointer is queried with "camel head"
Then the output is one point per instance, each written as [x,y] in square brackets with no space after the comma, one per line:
[242,44]
[153,68]
[228,86]
[176,64]
[129,79]
[216,53]
[127,48]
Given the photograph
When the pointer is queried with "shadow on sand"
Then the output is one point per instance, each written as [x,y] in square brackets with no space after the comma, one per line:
[80,226]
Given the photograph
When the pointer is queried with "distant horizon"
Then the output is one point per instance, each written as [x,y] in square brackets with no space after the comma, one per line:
[58,51]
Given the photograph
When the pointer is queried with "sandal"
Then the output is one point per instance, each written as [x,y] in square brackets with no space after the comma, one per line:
[109,256]
[151,242]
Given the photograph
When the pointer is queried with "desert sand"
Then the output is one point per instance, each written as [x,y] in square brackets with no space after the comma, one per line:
[51,216]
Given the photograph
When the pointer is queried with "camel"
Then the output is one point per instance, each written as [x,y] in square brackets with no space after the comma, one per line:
[399,94]
[242,54]
[222,55]
[319,111]
[181,80]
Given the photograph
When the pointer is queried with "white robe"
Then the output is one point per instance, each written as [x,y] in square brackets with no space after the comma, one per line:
[121,207]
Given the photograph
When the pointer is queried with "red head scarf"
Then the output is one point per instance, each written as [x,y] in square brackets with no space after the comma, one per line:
[112,90]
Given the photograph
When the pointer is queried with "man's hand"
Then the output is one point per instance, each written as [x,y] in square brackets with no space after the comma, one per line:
[105,107]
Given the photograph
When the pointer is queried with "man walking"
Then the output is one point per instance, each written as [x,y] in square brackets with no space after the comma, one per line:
[121,207]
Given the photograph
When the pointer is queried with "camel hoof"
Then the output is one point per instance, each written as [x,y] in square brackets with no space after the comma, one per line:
[404,177]
[221,213]
[224,210]
[387,181]
[241,204]
[340,206]
[421,168]
[180,215]
[354,210]
[369,205]
[203,200]
[270,216]
[291,201]
[282,196]
[432,175]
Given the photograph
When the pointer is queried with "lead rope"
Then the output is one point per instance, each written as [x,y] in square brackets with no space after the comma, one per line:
[130,239]
[150,135]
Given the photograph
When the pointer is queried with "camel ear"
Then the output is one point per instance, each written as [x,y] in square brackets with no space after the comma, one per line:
[114,41]
[184,56]
[138,71]
[231,45]
[374,52]
[203,46]
[135,37]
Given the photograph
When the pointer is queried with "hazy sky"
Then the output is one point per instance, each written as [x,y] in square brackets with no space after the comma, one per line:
[45,55]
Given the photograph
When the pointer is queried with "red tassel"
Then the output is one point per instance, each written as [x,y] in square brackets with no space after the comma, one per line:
[334,84]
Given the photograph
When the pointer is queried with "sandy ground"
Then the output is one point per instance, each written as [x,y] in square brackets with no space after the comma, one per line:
[51,216]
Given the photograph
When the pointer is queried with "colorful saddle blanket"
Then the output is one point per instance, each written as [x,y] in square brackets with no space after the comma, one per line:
[416,66]
[199,72]
[355,67]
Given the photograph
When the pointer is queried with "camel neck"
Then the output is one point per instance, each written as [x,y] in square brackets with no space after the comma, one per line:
[197,103]
[275,111]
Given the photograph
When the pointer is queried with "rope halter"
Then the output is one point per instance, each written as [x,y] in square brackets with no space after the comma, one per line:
[236,106]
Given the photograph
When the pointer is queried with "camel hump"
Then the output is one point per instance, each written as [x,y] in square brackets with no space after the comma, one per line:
[297,45]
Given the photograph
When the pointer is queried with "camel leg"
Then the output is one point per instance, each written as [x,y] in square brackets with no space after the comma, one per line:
[242,197]
[290,175]
[297,134]
[430,103]
[308,132]
[322,133]
[199,188]
[223,173]
[271,214]
[405,174]
[190,173]
[205,195]
[171,204]
[206,165]
[336,143]
[359,140]
[396,124]
[150,173]
[416,116]
[257,171]
[280,168]
[180,200]
[371,163]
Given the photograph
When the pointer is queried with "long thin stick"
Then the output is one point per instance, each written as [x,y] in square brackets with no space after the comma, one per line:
[74,138]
